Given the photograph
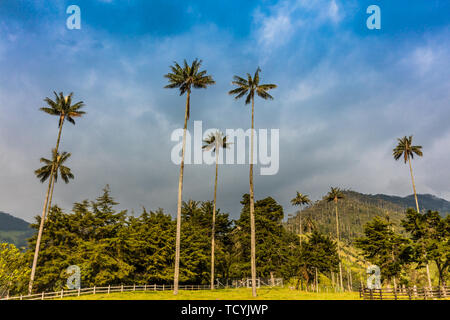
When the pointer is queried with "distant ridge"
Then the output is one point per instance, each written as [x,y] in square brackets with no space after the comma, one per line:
[356,209]
[426,202]
[11,223]
[14,230]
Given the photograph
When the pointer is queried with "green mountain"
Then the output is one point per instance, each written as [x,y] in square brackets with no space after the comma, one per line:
[14,230]
[426,202]
[357,209]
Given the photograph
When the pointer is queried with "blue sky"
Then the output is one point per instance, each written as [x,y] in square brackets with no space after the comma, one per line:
[345,94]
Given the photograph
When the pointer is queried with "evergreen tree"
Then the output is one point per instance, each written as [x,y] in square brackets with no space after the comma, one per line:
[319,254]
[383,247]
[273,242]
[431,239]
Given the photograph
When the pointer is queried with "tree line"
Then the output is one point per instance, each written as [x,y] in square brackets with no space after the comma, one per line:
[113,247]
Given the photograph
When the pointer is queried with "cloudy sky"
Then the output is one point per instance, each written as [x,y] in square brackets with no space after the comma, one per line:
[345,93]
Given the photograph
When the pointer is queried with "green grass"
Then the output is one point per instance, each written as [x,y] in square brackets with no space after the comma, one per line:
[223,294]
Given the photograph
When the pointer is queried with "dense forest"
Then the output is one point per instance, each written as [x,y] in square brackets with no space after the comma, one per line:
[114,247]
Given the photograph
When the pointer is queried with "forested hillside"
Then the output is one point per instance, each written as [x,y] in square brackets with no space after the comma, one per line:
[14,230]
[356,209]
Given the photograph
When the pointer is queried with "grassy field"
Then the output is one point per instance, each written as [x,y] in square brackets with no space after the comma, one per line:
[224,294]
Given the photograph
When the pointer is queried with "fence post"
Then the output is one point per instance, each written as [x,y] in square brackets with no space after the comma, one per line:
[79,291]
[94,289]
[154,287]
[381,294]
[42,296]
[371,294]
[134,287]
[395,292]
[163,286]
[62,293]
[21,297]
[109,289]
[121,287]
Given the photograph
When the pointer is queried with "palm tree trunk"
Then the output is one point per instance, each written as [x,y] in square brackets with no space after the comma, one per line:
[214,219]
[414,185]
[180,190]
[300,222]
[428,275]
[44,212]
[252,210]
[317,282]
[418,211]
[49,206]
[38,240]
[338,247]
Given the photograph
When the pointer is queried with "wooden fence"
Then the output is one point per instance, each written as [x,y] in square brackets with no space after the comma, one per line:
[153,287]
[109,289]
[414,293]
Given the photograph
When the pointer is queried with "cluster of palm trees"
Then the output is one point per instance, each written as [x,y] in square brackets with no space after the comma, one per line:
[185,78]
[62,108]
[333,195]
[404,150]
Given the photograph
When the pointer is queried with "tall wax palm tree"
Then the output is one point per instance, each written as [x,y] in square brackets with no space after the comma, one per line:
[406,150]
[185,78]
[49,171]
[300,200]
[249,87]
[62,108]
[334,195]
[44,172]
[214,142]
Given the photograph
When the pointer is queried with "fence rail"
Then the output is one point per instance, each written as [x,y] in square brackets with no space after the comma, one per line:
[109,289]
[413,293]
[127,288]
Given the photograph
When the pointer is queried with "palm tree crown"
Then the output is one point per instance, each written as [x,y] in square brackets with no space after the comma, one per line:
[63,108]
[406,150]
[300,199]
[55,165]
[214,141]
[249,86]
[187,77]
[334,195]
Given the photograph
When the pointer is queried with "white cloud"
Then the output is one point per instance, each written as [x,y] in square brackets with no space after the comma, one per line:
[287,18]
[276,29]
[333,11]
